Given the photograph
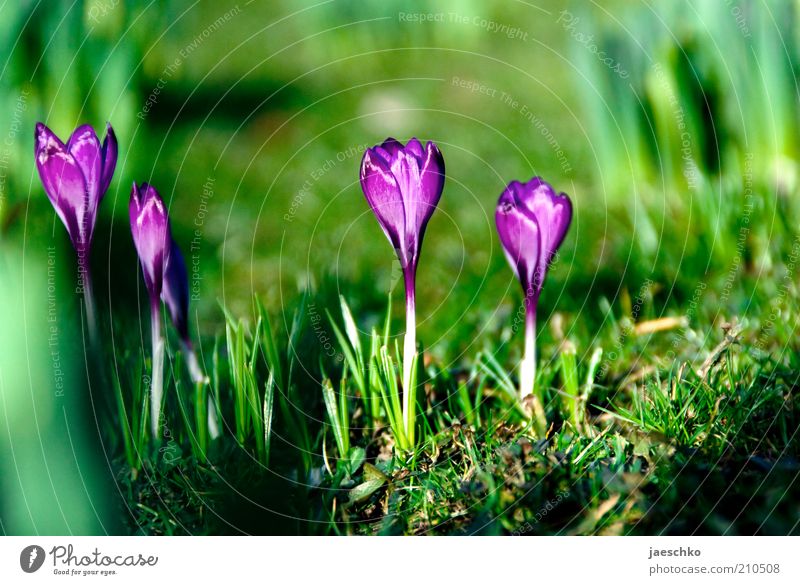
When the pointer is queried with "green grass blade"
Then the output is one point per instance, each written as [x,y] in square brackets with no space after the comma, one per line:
[329,398]
[269,402]
[569,380]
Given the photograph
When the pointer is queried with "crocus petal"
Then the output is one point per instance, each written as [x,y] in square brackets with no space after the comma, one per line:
[415,147]
[431,184]
[521,239]
[384,197]
[553,211]
[109,159]
[84,147]
[405,169]
[176,290]
[391,146]
[64,184]
[151,235]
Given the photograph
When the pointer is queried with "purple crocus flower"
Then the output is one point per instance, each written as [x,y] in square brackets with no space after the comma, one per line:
[532,220]
[166,279]
[403,185]
[151,236]
[76,176]
[153,241]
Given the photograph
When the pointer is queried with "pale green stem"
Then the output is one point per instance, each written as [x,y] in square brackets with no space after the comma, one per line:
[156,378]
[88,301]
[409,347]
[527,376]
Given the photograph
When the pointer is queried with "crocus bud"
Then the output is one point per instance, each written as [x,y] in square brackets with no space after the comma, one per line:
[151,236]
[76,176]
[532,221]
[403,184]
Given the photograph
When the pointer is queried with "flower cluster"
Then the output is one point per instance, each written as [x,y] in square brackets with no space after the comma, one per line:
[402,184]
[76,176]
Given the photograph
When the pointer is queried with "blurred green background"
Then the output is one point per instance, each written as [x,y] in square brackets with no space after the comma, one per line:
[666,125]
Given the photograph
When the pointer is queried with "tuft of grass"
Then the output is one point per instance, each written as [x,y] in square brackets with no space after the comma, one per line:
[375,379]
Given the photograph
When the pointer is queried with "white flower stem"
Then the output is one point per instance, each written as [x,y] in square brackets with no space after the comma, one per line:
[156,378]
[409,350]
[527,377]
